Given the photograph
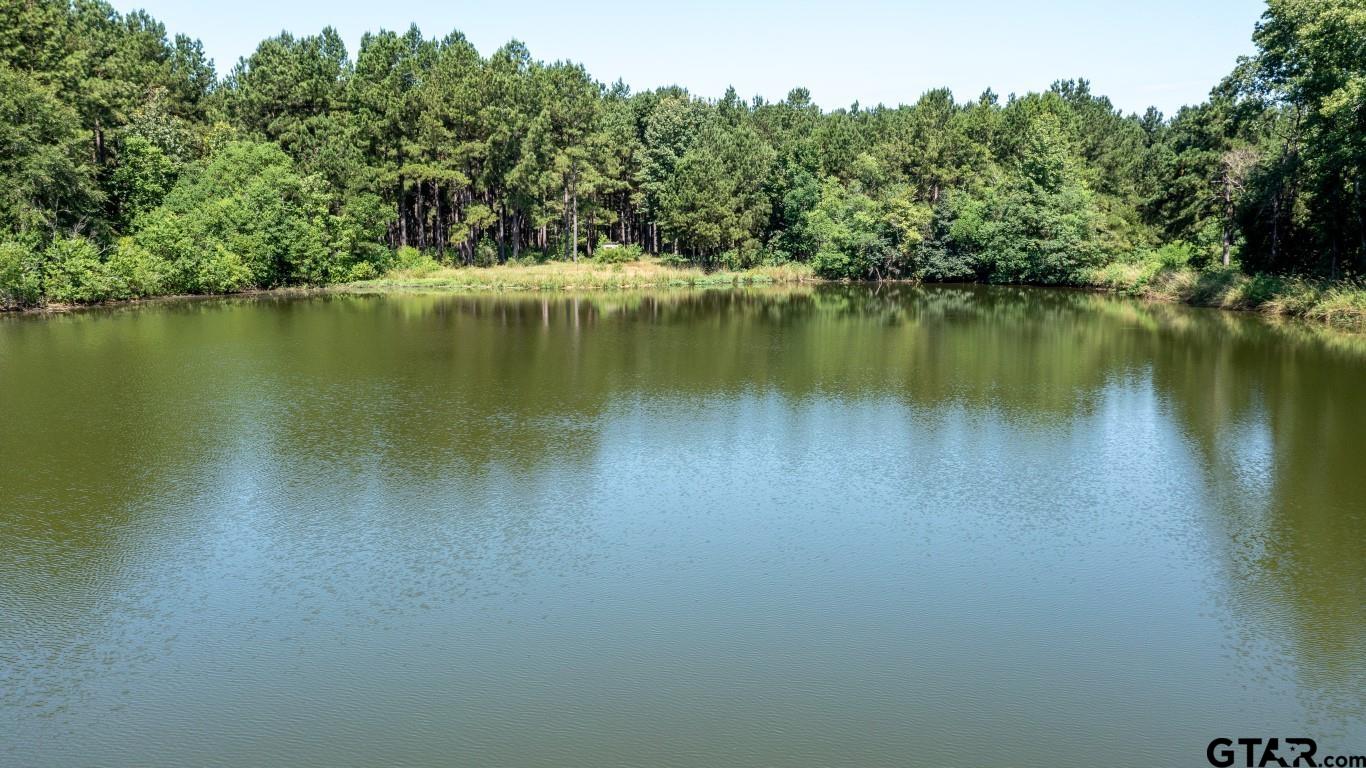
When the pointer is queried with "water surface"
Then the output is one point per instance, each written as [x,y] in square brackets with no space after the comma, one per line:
[847,526]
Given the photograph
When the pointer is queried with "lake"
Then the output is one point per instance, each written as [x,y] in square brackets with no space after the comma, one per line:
[842,525]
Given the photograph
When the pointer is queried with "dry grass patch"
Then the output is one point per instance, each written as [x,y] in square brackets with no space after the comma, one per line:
[583,275]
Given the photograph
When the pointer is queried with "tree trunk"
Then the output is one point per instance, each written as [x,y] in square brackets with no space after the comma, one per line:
[438,234]
[574,217]
[1228,218]
[420,217]
[592,231]
[502,236]
[99,142]
[1275,228]
[564,217]
[1361,217]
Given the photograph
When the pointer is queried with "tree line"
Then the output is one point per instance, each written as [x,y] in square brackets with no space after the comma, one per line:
[128,167]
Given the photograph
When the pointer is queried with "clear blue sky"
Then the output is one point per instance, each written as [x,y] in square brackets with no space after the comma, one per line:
[1164,53]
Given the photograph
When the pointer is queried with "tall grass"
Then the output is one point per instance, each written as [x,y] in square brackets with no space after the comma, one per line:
[1162,275]
[1339,303]
[583,275]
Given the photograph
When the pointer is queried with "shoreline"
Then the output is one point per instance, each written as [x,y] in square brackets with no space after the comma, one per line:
[1336,305]
[1339,305]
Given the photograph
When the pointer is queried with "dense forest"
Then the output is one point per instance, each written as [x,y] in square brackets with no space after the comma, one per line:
[128,167]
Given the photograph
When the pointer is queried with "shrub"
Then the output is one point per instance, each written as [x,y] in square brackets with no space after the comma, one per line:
[937,262]
[136,271]
[222,271]
[21,277]
[837,264]
[413,262]
[244,219]
[1177,255]
[74,273]
[612,253]
[528,258]
[485,253]
[1258,289]
[733,260]
[774,256]
[362,270]
[355,236]
[747,257]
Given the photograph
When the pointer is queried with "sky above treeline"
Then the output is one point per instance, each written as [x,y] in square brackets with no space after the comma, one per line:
[1162,53]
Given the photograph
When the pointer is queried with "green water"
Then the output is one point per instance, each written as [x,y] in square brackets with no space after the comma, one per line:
[848,526]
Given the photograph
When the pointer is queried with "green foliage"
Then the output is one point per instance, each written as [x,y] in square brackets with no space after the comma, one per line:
[485,252]
[1177,255]
[850,233]
[858,236]
[21,277]
[413,262]
[613,253]
[714,198]
[45,181]
[140,181]
[135,271]
[362,270]
[130,169]
[1040,226]
[73,272]
[246,219]
[937,257]
[801,196]
[1306,88]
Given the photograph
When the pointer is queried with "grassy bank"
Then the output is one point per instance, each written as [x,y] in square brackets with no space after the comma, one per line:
[1340,303]
[1154,276]
[583,275]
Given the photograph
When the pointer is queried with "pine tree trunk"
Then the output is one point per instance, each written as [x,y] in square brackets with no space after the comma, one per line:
[99,143]
[574,218]
[502,236]
[419,217]
[564,218]
[398,203]
[438,235]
